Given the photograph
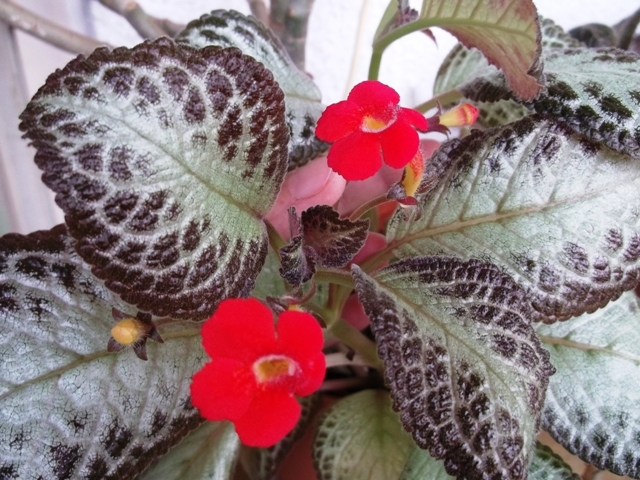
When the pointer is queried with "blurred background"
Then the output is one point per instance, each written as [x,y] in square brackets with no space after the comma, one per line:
[337,57]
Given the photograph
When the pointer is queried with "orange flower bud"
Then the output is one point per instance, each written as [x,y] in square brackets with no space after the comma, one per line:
[460,116]
[128,331]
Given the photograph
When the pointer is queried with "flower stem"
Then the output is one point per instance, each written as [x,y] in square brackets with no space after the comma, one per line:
[374,64]
[338,277]
[443,99]
[339,359]
[353,338]
[362,209]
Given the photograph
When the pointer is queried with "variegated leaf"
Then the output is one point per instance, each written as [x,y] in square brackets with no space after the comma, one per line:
[208,453]
[466,371]
[593,402]
[595,92]
[68,408]
[559,214]
[360,437]
[228,28]
[164,159]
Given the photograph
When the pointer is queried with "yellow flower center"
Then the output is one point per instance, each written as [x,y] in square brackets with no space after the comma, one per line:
[126,331]
[273,367]
[372,125]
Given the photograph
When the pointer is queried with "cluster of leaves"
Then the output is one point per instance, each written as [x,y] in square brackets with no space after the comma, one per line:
[165,159]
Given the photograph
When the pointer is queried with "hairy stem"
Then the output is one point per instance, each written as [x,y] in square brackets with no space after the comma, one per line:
[442,99]
[362,209]
[341,360]
[353,338]
[46,30]
[338,277]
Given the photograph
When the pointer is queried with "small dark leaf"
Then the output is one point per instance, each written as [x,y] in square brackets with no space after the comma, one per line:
[466,370]
[322,238]
[228,28]
[164,159]
[547,465]
[334,240]
[594,35]
[68,407]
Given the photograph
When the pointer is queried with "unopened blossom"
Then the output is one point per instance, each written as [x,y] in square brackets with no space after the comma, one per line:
[257,369]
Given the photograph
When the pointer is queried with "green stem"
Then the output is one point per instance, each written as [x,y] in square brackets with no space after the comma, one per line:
[374,64]
[362,209]
[275,240]
[443,98]
[338,277]
[353,338]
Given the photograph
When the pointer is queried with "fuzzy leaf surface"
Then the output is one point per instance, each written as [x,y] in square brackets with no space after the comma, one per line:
[360,437]
[228,28]
[164,159]
[506,32]
[68,408]
[546,465]
[592,405]
[466,371]
[595,92]
[559,215]
[208,453]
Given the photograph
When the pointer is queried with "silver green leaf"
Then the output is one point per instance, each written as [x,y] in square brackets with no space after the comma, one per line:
[593,401]
[546,465]
[559,214]
[466,371]
[595,92]
[164,159]
[208,453]
[68,408]
[360,437]
[228,28]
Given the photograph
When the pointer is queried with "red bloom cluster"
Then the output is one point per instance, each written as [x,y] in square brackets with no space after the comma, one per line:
[255,371]
[369,128]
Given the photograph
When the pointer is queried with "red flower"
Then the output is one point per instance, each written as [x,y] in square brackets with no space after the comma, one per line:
[368,128]
[254,372]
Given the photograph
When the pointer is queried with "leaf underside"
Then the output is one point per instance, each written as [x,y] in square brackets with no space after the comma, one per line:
[228,28]
[469,71]
[164,159]
[557,213]
[466,371]
[593,401]
[68,408]
[507,33]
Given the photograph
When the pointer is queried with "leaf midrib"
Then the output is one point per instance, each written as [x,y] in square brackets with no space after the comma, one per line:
[565,342]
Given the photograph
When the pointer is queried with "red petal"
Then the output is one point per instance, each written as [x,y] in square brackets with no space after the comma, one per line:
[357,156]
[223,389]
[415,118]
[300,338]
[374,95]
[241,329]
[313,371]
[338,121]
[269,418]
[399,143]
